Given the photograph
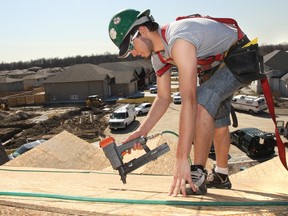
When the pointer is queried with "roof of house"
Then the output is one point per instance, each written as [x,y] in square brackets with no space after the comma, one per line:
[277,60]
[9,80]
[4,73]
[118,66]
[81,73]
[122,77]
[127,65]
[285,77]
[124,73]
[146,64]
[20,72]
[47,72]
[34,77]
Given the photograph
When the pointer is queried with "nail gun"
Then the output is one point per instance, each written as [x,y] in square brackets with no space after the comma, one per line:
[115,154]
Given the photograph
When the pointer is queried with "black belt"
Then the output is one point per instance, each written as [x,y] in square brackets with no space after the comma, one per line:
[207,74]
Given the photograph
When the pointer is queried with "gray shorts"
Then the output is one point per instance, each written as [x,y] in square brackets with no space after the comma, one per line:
[216,94]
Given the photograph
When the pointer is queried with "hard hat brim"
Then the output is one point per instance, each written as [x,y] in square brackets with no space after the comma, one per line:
[144,13]
[124,47]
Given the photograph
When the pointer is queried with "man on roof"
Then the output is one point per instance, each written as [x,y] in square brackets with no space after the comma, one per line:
[204,112]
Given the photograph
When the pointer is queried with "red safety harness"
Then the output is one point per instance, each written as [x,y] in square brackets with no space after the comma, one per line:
[207,63]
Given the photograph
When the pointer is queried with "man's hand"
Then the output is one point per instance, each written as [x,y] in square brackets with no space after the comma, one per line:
[132,136]
[182,174]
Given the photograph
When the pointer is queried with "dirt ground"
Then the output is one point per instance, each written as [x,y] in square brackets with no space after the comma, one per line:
[23,124]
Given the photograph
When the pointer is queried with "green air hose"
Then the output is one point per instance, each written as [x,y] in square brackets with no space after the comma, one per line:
[172,132]
[131,201]
[143,202]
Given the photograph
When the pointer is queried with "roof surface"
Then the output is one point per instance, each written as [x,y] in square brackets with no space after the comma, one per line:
[277,60]
[81,73]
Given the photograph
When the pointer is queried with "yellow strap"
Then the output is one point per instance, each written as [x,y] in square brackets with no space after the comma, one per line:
[254,41]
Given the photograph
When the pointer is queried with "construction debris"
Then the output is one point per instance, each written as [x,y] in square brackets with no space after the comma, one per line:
[18,126]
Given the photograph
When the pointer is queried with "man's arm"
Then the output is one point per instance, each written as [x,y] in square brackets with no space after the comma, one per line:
[157,110]
[160,103]
[184,55]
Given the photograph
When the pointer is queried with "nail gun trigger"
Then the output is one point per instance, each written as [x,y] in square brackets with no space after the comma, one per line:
[123,153]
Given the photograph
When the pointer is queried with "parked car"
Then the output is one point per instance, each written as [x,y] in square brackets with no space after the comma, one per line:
[153,90]
[24,148]
[252,104]
[174,73]
[254,142]
[143,108]
[177,98]
[282,128]
[122,116]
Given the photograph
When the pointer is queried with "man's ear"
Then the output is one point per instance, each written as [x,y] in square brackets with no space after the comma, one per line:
[143,30]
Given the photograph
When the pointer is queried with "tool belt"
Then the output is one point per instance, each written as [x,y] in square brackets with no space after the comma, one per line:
[245,62]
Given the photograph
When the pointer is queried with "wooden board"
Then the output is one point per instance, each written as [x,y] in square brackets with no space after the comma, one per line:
[110,196]
[63,151]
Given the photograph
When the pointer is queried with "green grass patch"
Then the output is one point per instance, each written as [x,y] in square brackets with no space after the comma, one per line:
[148,99]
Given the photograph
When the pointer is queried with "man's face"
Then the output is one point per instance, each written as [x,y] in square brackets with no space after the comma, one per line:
[141,46]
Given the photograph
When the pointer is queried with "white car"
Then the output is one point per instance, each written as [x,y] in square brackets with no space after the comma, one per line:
[143,108]
[177,98]
[153,90]
[252,104]
[122,116]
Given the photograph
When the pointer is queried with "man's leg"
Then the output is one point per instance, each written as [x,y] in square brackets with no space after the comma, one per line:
[203,136]
[222,146]
[219,176]
[210,97]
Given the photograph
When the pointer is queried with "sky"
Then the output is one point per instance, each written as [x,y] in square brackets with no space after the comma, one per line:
[35,29]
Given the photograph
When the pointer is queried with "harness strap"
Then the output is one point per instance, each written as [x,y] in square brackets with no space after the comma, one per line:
[163,69]
[228,21]
[164,61]
[212,61]
[270,103]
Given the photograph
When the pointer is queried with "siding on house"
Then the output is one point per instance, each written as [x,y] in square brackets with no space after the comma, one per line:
[11,85]
[34,80]
[78,91]
[276,67]
[130,76]
[125,78]
[77,82]
[284,85]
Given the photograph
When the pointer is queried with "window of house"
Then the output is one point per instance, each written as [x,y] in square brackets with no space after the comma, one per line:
[52,97]
[74,97]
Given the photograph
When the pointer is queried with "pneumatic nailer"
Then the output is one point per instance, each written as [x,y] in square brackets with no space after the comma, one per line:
[115,154]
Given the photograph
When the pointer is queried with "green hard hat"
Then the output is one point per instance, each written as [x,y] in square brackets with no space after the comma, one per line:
[121,25]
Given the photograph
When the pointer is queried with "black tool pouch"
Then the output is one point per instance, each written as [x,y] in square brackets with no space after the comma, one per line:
[246,64]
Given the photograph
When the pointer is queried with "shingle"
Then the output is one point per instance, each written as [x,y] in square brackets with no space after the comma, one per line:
[81,73]
[277,60]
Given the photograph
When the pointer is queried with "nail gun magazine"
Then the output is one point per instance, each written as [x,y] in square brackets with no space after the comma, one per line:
[115,154]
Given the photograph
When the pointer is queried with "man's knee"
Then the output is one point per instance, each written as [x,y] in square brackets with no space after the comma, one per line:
[222,130]
[201,110]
